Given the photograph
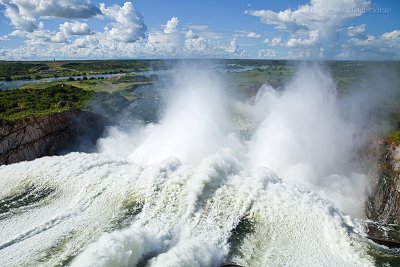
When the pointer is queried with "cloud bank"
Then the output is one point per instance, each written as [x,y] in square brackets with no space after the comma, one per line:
[320,29]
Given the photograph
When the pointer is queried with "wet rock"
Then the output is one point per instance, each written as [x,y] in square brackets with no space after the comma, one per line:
[384,234]
[383,203]
[31,138]
[382,206]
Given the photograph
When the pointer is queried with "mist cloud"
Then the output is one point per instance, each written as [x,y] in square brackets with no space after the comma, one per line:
[305,133]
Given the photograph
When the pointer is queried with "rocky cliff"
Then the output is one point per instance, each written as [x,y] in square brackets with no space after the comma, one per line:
[53,134]
[383,204]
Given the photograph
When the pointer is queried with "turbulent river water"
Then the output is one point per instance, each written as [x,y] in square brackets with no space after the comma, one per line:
[270,181]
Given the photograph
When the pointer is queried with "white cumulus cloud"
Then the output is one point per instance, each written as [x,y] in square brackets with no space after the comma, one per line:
[166,42]
[320,20]
[24,14]
[59,38]
[356,31]
[128,25]
[253,35]
[393,35]
[191,35]
[234,49]
[266,53]
[75,28]
[384,46]
[312,40]
[276,41]
[171,25]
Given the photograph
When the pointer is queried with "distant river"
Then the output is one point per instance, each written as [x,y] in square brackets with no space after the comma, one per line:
[18,83]
[4,85]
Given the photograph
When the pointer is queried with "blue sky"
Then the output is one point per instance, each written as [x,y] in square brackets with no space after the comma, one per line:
[315,29]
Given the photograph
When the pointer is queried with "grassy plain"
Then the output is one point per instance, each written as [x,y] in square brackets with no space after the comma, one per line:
[23,103]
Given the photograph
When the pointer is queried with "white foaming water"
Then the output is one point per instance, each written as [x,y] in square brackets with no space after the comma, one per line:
[176,193]
[304,138]
[193,126]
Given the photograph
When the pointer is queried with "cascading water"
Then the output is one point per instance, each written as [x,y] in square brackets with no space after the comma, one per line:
[194,190]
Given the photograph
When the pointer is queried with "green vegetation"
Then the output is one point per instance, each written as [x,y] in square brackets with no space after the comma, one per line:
[113,66]
[394,136]
[23,70]
[274,75]
[117,83]
[14,69]
[16,104]
[22,103]
[110,94]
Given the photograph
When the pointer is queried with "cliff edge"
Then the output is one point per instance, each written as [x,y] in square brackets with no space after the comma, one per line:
[383,203]
[31,138]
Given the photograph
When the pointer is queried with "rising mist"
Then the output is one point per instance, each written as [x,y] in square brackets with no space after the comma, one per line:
[304,132]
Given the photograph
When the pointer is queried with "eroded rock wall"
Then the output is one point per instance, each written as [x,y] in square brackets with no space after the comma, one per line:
[383,203]
[49,135]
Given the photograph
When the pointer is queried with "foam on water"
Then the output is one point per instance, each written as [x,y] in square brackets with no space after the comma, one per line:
[174,193]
